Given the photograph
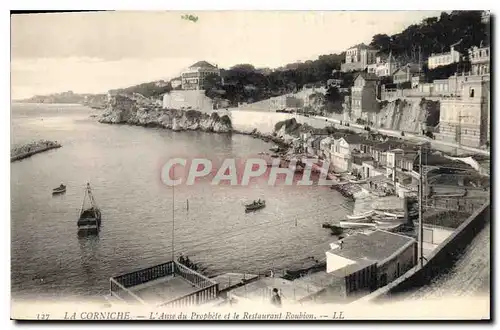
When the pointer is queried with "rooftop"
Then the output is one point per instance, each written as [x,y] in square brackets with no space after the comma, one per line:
[379,179]
[353,139]
[405,69]
[367,76]
[376,246]
[362,46]
[203,64]
[387,145]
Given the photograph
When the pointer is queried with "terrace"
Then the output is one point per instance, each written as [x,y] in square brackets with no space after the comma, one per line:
[166,285]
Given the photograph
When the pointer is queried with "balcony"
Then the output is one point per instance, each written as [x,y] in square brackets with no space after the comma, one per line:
[166,285]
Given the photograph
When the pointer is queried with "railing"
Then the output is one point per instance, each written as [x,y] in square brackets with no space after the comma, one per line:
[145,275]
[208,289]
[119,291]
[199,297]
[192,277]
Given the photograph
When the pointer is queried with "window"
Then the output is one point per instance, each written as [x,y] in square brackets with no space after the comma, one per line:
[471,92]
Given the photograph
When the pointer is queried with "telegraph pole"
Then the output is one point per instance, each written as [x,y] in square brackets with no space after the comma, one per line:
[420,209]
[173,215]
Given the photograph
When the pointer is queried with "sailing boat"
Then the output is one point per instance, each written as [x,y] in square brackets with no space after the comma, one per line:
[89,221]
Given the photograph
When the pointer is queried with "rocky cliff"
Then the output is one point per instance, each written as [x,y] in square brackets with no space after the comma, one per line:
[407,115]
[141,111]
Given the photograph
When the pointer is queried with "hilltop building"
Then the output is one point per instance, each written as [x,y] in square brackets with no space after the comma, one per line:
[194,76]
[383,67]
[442,59]
[480,60]
[358,58]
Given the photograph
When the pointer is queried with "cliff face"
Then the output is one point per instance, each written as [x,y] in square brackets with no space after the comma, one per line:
[141,111]
[410,116]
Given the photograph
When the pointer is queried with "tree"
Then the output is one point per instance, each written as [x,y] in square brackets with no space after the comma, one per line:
[317,101]
[212,80]
[333,95]
[382,42]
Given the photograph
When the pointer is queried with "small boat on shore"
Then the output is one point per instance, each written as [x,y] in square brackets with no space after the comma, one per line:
[256,205]
[59,190]
[275,148]
[360,216]
[395,215]
[358,181]
[89,221]
[348,224]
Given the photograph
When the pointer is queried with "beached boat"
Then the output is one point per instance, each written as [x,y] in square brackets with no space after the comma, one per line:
[395,215]
[358,181]
[59,190]
[348,224]
[275,149]
[360,216]
[89,221]
[256,205]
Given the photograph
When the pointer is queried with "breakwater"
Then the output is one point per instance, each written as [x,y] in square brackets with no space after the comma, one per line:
[30,149]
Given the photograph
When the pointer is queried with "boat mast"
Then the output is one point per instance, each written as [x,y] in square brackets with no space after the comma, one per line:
[83,201]
[91,196]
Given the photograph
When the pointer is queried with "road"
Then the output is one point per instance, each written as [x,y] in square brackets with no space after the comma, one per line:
[438,145]
[468,277]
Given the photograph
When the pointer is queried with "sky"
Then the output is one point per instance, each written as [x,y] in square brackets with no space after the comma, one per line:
[95,52]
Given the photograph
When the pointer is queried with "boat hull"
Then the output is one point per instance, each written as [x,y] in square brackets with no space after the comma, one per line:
[361,216]
[58,192]
[254,207]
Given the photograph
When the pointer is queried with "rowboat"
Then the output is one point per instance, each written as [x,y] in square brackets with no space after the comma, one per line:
[59,190]
[89,221]
[256,205]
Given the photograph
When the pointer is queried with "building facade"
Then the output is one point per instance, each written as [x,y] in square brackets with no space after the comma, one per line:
[358,58]
[383,67]
[465,119]
[194,76]
[364,95]
[480,60]
[405,74]
[442,59]
[341,151]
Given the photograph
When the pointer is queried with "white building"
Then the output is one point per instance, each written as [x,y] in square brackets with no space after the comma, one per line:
[465,119]
[442,59]
[358,58]
[394,254]
[341,151]
[480,60]
[194,76]
[383,67]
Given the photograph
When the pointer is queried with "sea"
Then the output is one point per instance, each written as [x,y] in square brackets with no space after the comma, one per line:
[144,220]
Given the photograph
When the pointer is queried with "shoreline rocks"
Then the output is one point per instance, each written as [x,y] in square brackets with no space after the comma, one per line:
[139,111]
[33,148]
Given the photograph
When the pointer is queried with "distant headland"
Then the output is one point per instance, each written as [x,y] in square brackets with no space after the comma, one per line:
[96,101]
